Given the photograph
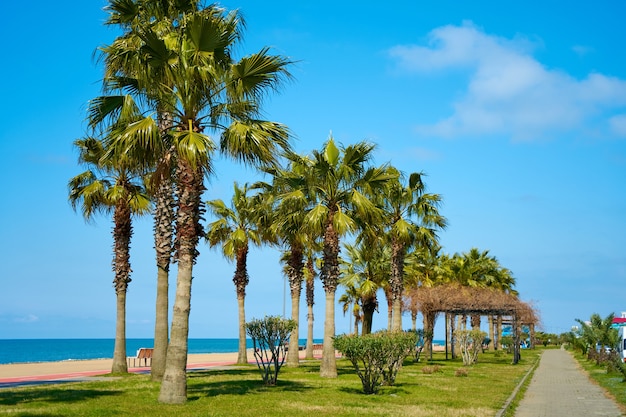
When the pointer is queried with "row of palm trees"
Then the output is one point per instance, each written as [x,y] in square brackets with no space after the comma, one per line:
[173,98]
[310,205]
[365,271]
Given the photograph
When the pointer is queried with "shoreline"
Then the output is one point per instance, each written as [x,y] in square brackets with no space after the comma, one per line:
[91,367]
[99,366]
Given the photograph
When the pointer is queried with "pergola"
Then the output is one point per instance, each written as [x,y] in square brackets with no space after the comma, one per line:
[458,300]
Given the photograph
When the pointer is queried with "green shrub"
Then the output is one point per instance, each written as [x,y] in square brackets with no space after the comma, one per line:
[376,357]
[270,336]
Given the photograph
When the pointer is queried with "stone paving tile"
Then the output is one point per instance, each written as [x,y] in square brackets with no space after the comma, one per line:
[560,388]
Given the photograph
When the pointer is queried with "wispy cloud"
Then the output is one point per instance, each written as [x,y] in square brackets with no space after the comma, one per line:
[30,318]
[618,125]
[509,92]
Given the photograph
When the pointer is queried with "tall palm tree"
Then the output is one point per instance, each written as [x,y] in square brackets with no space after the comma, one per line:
[205,92]
[291,231]
[336,182]
[236,228]
[110,185]
[126,70]
[413,220]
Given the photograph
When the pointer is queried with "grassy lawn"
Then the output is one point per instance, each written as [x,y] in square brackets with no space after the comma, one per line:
[611,382]
[300,391]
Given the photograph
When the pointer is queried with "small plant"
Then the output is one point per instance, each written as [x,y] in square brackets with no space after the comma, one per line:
[419,342]
[461,372]
[470,342]
[377,357]
[431,369]
[269,338]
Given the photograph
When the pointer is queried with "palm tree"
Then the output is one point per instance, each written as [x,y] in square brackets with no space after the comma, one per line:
[125,69]
[352,298]
[413,219]
[336,181]
[111,186]
[309,277]
[204,91]
[365,268]
[236,228]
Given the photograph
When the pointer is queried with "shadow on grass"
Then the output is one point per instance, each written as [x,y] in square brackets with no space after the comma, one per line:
[240,387]
[52,395]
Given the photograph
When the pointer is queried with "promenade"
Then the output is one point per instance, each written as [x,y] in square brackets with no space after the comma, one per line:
[560,388]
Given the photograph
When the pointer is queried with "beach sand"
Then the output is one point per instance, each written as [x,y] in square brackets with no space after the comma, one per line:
[101,366]
[65,369]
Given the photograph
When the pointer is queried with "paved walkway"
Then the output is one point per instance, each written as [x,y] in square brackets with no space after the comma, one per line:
[560,388]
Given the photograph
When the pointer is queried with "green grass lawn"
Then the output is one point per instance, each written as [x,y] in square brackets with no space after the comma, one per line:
[299,392]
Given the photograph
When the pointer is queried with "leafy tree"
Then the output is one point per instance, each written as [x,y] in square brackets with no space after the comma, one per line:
[598,336]
[470,343]
[376,357]
[269,339]
[110,185]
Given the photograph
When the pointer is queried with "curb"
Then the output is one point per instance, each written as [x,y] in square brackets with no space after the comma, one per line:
[509,400]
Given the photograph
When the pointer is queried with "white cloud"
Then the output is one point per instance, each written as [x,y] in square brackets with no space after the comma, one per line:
[618,125]
[508,91]
[31,318]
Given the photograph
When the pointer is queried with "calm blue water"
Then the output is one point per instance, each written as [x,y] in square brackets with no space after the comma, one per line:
[49,350]
[52,350]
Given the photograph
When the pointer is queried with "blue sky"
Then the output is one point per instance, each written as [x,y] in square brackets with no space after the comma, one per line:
[516,111]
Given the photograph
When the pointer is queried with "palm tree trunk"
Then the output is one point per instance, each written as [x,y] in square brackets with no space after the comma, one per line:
[296,276]
[429,326]
[328,368]
[330,276]
[119,352]
[309,336]
[369,307]
[452,336]
[161,325]
[310,301]
[396,283]
[396,324]
[122,232]
[491,338]
[293,354]
[242,353]
[241,280]
[389,299]
[163,242]
[174,384]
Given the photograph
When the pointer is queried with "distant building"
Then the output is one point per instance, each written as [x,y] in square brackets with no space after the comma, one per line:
[620,321]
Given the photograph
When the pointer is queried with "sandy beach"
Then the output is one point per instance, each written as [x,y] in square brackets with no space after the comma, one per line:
[81,368]
[101,366]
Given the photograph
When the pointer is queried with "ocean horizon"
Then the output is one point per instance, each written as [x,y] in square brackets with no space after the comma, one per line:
[57,350]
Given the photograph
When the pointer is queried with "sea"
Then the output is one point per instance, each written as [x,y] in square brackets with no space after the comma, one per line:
[54,350]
